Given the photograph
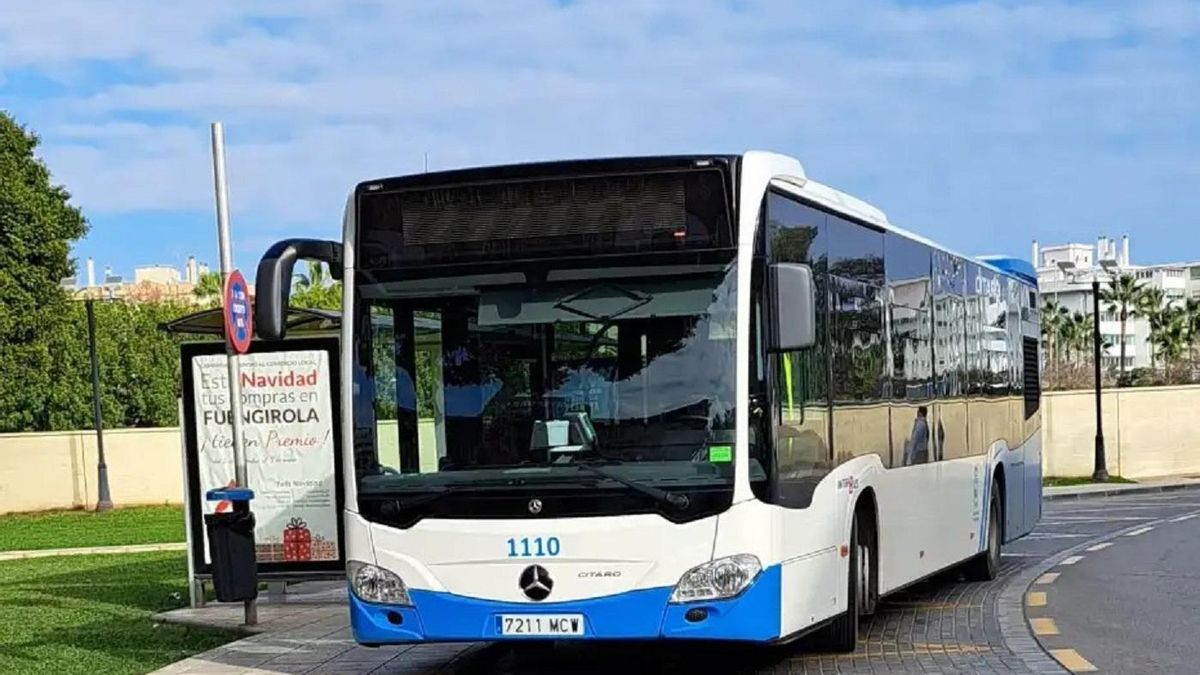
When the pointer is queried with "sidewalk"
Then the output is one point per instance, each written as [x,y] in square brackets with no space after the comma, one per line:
[91,550]
[1147,485]
[305,631]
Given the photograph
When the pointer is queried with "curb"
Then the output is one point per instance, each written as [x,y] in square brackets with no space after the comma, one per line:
[92,550]
[1010,608]
[1121,489]
[241,630]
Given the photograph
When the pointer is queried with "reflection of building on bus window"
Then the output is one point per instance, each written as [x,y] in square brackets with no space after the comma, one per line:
[917,448]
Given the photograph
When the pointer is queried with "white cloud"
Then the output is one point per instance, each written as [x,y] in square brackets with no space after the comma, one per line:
[1016,116]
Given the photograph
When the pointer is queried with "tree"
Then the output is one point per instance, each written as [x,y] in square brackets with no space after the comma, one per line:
[1169,335]
[209,288]
[139,366]
[1122,297]
[1152,305]
[1191,320]
[315,290]
[1077,333]
[1054,318]
[37,226]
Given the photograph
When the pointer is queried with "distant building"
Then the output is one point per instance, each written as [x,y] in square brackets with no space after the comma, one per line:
[151,283]
[1065,273]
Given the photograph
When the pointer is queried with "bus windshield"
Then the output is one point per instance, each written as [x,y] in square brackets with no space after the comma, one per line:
[526,384]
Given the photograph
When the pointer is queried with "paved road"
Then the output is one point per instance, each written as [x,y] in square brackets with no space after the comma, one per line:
[1131,603]
[943,625]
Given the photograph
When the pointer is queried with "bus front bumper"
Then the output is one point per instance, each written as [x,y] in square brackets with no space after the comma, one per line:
[752,616]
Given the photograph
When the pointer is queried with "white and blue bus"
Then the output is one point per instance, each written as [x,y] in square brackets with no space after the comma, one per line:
[697,397]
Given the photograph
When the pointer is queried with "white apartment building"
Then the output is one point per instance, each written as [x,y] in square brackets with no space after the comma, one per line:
[1065,273]
[151,283]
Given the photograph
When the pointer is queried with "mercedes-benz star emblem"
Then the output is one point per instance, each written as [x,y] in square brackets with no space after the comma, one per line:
[536,582]
[535,506]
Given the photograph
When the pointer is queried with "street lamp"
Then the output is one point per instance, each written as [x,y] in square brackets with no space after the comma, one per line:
[1100,464]
[104,498]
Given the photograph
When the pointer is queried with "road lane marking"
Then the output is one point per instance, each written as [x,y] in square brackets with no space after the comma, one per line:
[1099,547]
[1075,520]
[1036,599]
[1044,626]
[1055,535]
[1047,578]
[1180,519]
[1072,661]
[1023,555]
[1071,560]
[1140,530]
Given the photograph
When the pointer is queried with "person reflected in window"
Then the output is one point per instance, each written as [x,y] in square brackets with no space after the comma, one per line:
[917,448]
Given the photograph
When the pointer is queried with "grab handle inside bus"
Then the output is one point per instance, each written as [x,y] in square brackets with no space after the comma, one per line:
[274,280]
[795,307]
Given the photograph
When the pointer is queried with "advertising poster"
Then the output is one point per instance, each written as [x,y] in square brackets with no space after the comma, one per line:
[288,429]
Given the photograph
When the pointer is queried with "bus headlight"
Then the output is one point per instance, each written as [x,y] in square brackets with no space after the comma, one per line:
[722,578]
[372,583]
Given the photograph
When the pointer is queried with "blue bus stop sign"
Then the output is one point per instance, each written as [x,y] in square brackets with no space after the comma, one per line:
[238,325]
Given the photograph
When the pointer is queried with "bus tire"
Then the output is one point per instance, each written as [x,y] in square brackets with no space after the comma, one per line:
[986,565]
[841,635]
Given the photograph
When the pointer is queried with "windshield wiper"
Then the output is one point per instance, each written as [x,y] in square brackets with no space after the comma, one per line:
[396,501]
[664,496]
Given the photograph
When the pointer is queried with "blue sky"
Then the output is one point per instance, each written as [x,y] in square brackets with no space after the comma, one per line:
[981,124]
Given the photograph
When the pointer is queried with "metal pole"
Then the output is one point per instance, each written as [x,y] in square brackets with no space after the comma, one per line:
[235,399]
[104,498]
[1100,472]
[235,372]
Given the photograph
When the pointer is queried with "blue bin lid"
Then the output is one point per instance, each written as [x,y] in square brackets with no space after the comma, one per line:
[235,494]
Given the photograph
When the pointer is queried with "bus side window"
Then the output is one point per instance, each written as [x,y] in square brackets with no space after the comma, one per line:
[798,379]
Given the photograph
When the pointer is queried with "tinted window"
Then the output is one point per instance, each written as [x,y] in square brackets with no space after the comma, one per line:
[861,419]
[909,305]
[994,342]
[799,380]
[949,355]
[974,329]
[855,251]
[797,232]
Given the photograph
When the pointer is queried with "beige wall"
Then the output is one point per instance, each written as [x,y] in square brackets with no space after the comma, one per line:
[1148,431]
[58,470]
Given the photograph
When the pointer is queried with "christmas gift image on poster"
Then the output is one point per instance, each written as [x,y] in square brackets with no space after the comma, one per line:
[287,427]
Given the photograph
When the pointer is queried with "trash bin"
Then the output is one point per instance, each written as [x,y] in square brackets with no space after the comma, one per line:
[231,547]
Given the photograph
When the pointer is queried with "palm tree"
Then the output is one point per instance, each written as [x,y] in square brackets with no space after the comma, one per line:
[1191,319]
[1122,296]
[314,279]
[1076,332]
[208,287]
[1152,304]
[1170,337]
[1054,318]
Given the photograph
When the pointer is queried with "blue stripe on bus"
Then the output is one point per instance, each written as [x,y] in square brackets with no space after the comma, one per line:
[642,614]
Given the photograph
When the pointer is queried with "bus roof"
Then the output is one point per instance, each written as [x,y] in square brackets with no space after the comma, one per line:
[825,195]
[853,207]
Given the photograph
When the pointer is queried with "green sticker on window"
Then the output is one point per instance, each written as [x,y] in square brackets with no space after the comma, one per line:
[720,454]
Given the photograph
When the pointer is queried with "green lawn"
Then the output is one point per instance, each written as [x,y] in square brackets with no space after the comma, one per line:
[91,614]
[1054,481]
[70,529]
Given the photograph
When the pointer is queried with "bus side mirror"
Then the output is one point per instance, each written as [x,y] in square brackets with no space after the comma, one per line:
[795,307]
[273,285]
